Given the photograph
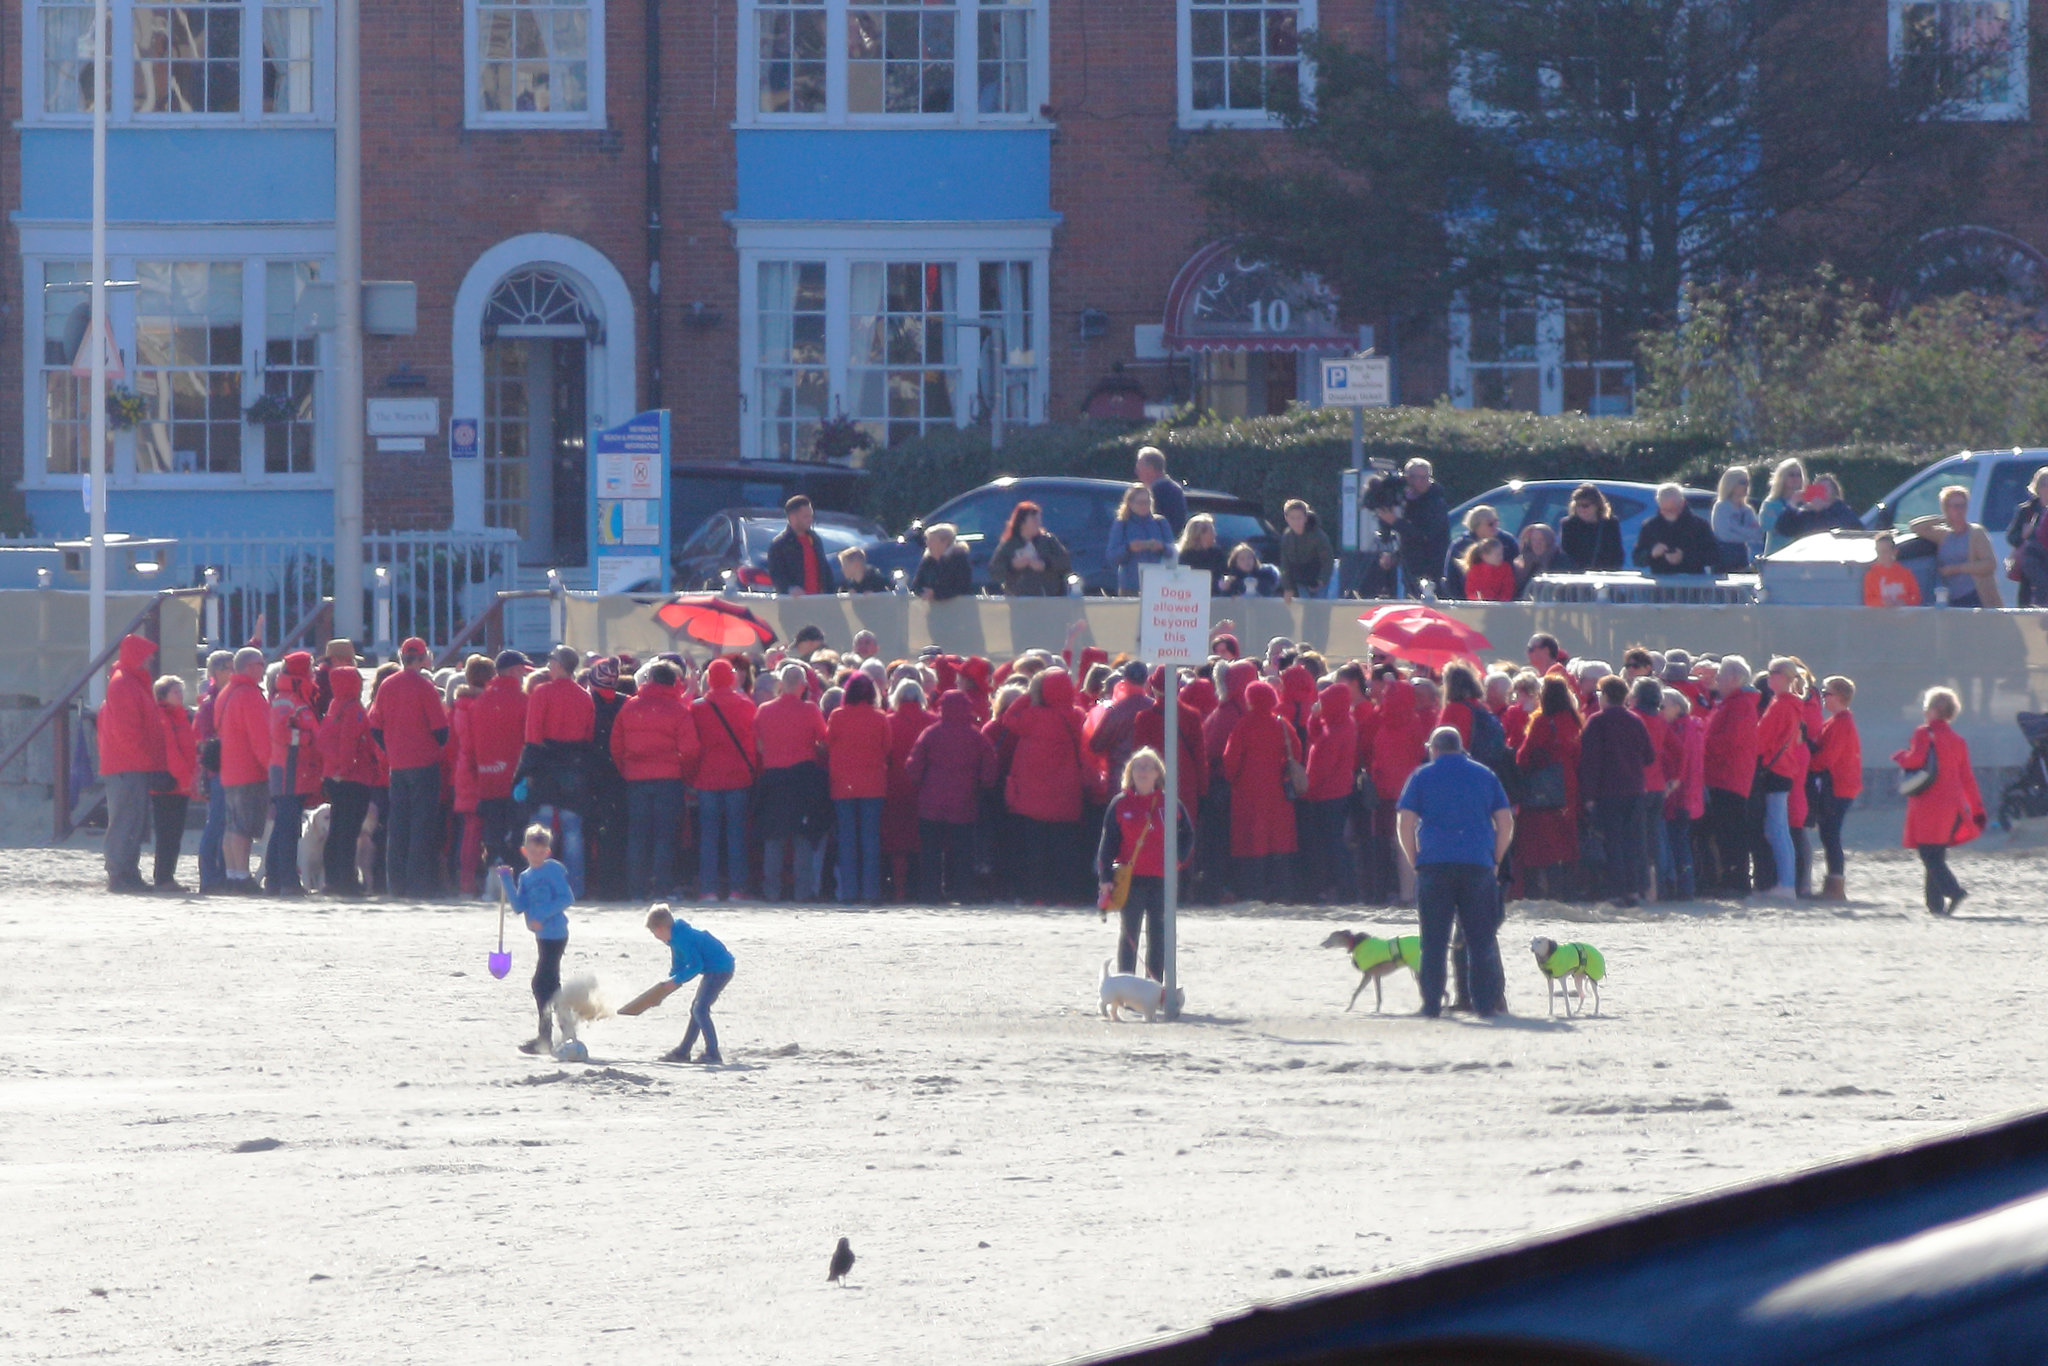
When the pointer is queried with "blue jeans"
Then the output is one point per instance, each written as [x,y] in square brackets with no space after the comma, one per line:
[1469,894]
[860,849]
[213,864]
[653,806]
[722,815]
[708,988]
[807,870]
[1778,833]
[411,837]
[569,844]
[1674,858]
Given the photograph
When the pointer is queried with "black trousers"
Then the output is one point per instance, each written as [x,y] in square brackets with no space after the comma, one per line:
[945,860]
[347,806]
[1466,895]
[167,817]
[547,970]
[503,822]
[1146,907]
[1047,854]
[1621,835]
[1727,829]
[1940,884]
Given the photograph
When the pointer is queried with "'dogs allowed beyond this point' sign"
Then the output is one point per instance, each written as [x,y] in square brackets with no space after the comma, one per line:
[1173,615]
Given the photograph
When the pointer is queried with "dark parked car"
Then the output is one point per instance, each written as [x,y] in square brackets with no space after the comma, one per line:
[1079,512]
[1548,500]
[696,491]
[737,539]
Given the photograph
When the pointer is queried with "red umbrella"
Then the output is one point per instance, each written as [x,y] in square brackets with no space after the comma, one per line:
[713,621]
[1423,636]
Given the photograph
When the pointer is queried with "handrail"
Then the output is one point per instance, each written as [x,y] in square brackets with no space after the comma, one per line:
[306,625]
[492,615]
[92,670]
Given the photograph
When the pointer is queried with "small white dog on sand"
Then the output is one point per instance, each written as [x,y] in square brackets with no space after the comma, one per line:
[313,847]
[578,1001]
[1123,991]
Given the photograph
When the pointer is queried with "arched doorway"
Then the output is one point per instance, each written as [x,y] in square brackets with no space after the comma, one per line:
[537,334]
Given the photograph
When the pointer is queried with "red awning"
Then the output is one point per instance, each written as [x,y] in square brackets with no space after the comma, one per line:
[1223,300]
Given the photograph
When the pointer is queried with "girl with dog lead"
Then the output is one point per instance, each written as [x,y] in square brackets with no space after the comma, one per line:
[1134,837]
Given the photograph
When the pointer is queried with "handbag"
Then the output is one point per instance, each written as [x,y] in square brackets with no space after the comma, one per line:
[209,754]
[1120,875]
[1295,774]
[1914,781]
[1545,789]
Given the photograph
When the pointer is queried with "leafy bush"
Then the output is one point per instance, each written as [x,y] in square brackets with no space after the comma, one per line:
[1300,454]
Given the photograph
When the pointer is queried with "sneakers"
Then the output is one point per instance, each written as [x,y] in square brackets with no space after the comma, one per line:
[534,1046]
[712,1060]
[676,1054]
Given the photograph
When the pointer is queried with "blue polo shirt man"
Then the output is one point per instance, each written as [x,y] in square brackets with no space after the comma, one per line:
[1454,824]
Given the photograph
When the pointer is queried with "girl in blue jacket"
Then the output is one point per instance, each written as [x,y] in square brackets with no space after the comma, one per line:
[542,895]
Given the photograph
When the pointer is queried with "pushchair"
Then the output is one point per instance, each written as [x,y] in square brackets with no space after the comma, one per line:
[2027,796]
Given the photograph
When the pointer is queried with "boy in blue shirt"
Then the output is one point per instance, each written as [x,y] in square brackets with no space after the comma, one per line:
[692,953]
[542,895]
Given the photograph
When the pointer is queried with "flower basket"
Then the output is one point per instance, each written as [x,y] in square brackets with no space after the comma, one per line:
[125,408]
[839,438]
[270,408]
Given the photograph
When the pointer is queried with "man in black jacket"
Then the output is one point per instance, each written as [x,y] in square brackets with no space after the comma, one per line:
[1677,540]
[797,563]
[1425,527]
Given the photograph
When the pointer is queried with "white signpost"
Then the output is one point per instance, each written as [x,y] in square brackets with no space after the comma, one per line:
[1173,629]
[1356,382]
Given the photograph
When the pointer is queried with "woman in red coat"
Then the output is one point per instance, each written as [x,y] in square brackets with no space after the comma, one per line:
[1043,790]
[857,765]
[1546,836]
[1261,816]
[1332,778]
[1400,736]
[1949,810]
[899,808]
[181,758]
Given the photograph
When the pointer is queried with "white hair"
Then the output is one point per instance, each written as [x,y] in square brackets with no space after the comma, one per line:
[1736,664]
[909,690]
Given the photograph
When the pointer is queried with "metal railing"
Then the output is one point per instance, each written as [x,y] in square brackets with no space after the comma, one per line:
[57,715]
[430,584]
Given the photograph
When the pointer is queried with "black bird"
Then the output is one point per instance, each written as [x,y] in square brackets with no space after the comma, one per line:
[842,1261]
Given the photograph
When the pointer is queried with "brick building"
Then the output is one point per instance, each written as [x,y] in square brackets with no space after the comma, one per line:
[906,212]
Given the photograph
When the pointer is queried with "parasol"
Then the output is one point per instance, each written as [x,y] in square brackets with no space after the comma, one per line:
[715,622]
[1422,635]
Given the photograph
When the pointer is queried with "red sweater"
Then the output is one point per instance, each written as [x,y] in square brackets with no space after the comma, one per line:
[788,731]
[1490,582]
[857,747]
[559,709]
[408,712]
[655,737]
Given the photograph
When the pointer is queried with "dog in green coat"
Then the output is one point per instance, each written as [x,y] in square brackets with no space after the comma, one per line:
[1376,958]
[1566,968]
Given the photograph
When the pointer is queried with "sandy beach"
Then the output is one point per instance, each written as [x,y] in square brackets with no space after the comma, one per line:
[245,1131]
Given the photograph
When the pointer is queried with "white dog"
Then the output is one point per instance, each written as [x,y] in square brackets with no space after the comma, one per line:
[577,1001]
[1123,991]
[319,822]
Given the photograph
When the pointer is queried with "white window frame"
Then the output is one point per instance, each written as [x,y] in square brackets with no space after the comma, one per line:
[1549,365]
[121,74]
[2010,111]
[1191,117]
[473,113]
[254,250]
[966,73]
[839,248]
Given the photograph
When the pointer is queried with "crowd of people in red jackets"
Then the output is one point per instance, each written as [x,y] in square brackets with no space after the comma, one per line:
[811,774]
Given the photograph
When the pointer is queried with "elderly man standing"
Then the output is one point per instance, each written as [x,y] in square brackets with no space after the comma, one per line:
[1424,526]
[1169,500]
[1454,826]
[1677,540]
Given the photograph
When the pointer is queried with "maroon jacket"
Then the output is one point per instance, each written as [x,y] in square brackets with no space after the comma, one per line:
[1614,748]
[951,764]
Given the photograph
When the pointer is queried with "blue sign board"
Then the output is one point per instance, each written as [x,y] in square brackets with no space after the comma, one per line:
[463,443]
[629,513]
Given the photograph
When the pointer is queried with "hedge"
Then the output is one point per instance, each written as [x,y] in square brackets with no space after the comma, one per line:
[1303,453]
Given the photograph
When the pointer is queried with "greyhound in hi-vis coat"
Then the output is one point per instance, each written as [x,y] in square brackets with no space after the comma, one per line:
[1376,958]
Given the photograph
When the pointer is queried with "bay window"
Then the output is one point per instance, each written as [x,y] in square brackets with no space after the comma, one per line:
[210,61]
[1967,57]
[864,61]
[899,340]
[1240,60]
[223,370]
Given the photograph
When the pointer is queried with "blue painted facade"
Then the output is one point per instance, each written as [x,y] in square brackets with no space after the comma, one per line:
[181,175]
[188,514]
[849,175]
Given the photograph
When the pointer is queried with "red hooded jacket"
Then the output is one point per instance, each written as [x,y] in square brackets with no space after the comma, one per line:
[899,817]
[1732,743]
[1221,722]
[951,764]
[243,719]
[560,709]
[1149,730]
[294,731]
[857,751]
[1399,740]
[655,737]
[1332,746]
[1046,770]
[131,727]
[725,732]
[347,753]
[496,732]
[1255,762]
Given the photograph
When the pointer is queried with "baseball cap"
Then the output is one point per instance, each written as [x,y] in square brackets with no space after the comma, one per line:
[413,646]
[512,659]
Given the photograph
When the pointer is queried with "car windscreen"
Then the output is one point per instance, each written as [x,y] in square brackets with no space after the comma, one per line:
[1233,527]
[1923,499]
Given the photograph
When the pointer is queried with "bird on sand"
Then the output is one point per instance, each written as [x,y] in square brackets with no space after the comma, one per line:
[842,1261]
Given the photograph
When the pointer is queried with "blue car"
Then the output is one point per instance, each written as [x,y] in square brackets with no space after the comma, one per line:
[1548,500]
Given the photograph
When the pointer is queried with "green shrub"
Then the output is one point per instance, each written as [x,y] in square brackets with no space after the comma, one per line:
[1300,454]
